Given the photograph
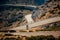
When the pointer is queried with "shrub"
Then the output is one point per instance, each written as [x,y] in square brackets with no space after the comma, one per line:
[10,39]
[50,37]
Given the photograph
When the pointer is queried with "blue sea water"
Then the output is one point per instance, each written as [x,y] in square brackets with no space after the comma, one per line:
[38,2]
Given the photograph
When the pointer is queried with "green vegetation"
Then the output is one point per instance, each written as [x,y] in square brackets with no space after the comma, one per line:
[10,39]
[42,38]
[51,28]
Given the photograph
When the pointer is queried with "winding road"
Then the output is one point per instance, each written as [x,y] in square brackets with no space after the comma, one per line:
[34,24]
[28,34]
[43,22]
[21,5]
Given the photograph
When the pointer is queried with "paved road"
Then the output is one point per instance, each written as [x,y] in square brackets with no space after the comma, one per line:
[21,5]
[43,22]
[54,33]
[29,18]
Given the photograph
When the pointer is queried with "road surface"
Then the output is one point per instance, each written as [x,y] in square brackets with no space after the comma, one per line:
[43,22]
[29,18]
[28,34]
[21,5]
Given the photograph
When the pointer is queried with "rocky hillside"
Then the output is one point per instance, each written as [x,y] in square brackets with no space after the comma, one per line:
[9,16]
[12,16]
[47,10]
